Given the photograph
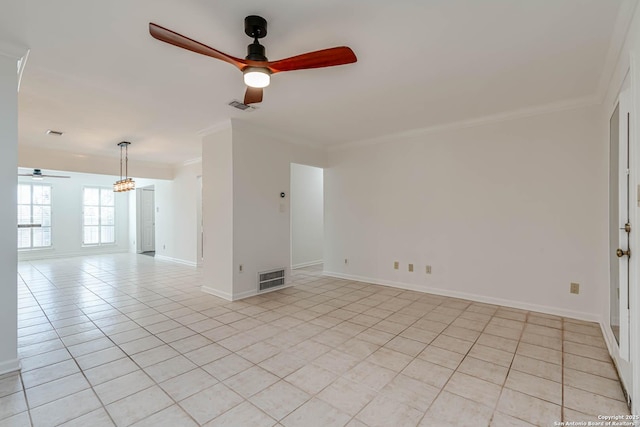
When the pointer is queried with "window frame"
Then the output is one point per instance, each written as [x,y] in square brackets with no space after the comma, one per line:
[31,206]
[99,225]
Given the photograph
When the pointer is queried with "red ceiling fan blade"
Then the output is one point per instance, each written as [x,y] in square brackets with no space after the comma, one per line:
[171,37]
[253,95]
[318,59]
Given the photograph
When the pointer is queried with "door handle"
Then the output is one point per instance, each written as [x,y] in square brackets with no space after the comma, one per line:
[620,253]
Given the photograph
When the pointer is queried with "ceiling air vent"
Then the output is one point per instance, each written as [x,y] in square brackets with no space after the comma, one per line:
[240,106]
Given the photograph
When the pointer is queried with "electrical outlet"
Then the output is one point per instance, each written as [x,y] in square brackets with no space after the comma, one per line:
[164,247]
[575,288]
[428,269]
[346,261]
[411,267]
[396,265]
[240,268]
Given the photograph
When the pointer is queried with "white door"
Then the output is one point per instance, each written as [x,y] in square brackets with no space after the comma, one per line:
[200,229]
[148,220]
[622,211]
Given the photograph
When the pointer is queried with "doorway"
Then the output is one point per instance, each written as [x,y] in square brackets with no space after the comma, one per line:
[307,217]
[199,222]
[146,219]
[621,233]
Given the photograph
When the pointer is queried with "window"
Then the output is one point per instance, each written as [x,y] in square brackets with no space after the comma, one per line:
[98,216]
[34,216]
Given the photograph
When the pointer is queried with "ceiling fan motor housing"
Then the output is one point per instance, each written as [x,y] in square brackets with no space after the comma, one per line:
[255,52]
[255,26]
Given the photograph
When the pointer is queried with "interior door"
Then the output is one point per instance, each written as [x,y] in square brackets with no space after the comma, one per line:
[148,220]
[200,231]
[620,227]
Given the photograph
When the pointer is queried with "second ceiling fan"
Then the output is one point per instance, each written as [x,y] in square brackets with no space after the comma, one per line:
[257,69]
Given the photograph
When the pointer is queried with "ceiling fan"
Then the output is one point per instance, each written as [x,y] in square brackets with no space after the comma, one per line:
[257,69]
[38,175]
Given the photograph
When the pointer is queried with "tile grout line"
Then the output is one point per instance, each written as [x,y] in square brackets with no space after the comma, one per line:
[455,370]
[515,352]
[328,290]
[72,357]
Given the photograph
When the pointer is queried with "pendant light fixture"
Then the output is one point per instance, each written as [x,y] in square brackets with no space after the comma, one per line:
[126,183]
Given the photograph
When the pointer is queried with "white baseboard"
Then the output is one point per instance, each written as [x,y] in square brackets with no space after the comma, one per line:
[245,294]
[614,352]
[252,293]
[308,264]
[609,339]
[176,260]
[580,315]
[242,295]
[9,366]
[216,293]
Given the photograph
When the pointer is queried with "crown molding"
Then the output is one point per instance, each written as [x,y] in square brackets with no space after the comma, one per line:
[215,128]
[192,161]
[12,50]
[619,36]
[22,62]
[480,121]
[18,53]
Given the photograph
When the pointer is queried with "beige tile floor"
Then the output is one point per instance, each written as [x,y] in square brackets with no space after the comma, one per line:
[129,340]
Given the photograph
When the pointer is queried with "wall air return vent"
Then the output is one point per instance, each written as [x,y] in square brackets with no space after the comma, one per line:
[270,279]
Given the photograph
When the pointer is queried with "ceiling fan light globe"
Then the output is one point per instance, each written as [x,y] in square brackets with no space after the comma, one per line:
[256,77]
[37,178]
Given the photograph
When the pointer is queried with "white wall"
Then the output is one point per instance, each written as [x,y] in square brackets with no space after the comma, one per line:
[217,212]
[307,210]
[66,216]
[245,168]
[261,219]
[8,213]
[176,215]
[509,212]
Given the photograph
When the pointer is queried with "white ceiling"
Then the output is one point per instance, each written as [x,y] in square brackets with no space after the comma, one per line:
[96,74]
